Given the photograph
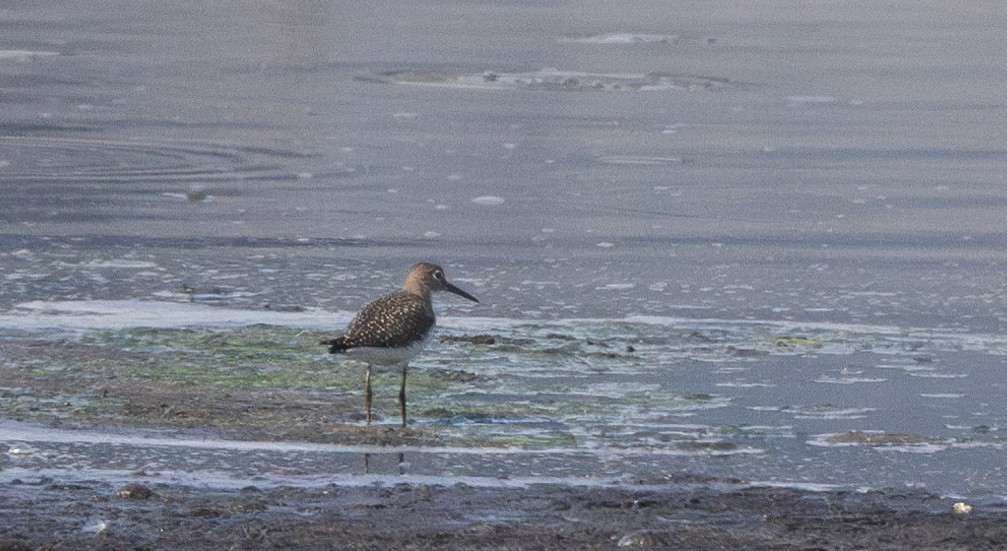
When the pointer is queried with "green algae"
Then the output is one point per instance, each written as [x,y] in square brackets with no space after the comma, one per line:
[873,438]
[715,446]
[265,381]
[51,405]
[250,357]
[794,341]
[258,356]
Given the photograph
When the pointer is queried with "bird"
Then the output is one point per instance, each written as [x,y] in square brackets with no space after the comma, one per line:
[395,327]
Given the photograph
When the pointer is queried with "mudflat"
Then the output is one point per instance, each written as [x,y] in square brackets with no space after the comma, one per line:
[46,504]
[146,514]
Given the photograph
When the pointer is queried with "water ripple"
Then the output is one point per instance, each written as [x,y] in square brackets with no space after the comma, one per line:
[29,160]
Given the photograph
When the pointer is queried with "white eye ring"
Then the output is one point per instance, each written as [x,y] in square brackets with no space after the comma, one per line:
[438,275]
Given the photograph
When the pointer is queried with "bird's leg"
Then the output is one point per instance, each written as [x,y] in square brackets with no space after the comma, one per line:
[402,395]
[367,392]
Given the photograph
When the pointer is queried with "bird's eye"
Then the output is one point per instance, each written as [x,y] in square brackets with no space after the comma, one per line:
[438,275]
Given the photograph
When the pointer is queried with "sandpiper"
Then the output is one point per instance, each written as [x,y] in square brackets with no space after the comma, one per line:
[395,327]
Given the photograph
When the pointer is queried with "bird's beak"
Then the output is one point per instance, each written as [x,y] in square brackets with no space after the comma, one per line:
[451,288]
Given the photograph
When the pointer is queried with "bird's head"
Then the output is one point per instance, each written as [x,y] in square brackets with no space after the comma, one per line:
[425,278]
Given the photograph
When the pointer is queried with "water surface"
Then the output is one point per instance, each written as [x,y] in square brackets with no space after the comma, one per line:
[792,213]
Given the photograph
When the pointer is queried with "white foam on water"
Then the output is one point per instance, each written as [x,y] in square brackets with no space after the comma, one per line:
[642,160]
[121,314]
[25,55]
[813,99]
[122,264]
[228,481]
[618,38]
[833,414]
[847,380]
[20,436]
[928,446]
[489,200]
[936,375]
[805,486]
[616,287]
[922,448]
[87,315]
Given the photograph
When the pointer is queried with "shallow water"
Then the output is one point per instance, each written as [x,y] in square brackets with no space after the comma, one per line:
[792,214]
[640,399]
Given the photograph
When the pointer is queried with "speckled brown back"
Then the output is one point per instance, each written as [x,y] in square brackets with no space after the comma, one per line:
[394,320]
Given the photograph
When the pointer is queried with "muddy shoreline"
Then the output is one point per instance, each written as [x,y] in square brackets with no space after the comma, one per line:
[85,514]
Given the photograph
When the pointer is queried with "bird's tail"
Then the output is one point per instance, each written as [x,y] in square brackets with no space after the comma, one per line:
[335,345]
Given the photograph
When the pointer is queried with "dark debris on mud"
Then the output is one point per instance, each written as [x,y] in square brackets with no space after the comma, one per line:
[95,515]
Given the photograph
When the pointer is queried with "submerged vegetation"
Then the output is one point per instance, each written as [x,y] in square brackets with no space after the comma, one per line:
[279,382]
[607,385]
[257,356]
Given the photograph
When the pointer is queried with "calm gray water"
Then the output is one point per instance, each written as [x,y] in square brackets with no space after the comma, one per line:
[697,177]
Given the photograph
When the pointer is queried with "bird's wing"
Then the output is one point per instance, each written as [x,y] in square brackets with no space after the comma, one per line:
[393,320]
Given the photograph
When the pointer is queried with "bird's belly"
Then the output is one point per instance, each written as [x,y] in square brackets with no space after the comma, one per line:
[388,355]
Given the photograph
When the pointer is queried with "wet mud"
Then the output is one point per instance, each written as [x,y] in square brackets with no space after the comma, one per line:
[47,514]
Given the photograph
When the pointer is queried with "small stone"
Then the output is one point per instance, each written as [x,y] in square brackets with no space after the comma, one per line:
[472,339]
[196,194]
[135,491]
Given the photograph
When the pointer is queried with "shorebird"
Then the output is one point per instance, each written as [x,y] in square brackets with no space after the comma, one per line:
[395,327]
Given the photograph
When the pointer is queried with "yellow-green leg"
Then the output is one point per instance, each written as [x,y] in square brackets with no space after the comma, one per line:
[402,395]
[367,392]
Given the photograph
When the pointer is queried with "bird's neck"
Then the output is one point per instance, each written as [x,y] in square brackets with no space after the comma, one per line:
[418,290]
